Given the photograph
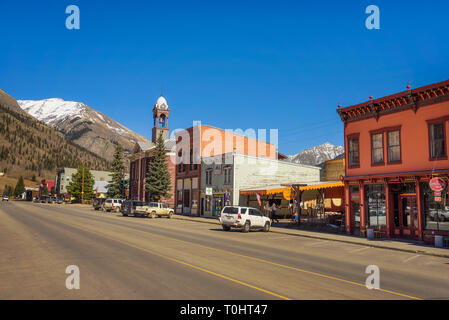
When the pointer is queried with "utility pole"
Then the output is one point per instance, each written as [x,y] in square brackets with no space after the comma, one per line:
[82,189]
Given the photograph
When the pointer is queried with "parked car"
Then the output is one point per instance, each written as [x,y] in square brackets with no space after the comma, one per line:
[157,209]
[112,205]
[59,200]
[44,199]
[97,204]
[135,208]
[5,198]
[244,218]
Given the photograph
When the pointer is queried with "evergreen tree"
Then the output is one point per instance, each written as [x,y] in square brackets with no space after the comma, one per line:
[45,188]
[158,179]
[116,187]
[75,187]
[9,191]
[20,187]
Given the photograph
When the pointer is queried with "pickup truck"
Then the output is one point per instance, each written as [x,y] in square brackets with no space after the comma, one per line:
[157,209]
[134,208]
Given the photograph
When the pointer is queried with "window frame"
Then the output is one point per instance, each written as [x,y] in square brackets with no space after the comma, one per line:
[227,172]
[429,141]
[372,133]
[348,138]
[393,129]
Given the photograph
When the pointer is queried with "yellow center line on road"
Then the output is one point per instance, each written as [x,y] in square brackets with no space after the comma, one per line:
[276,264]
[177,261]
[282,265]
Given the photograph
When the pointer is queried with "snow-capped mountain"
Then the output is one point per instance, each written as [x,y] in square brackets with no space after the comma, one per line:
[83,125]
[317,155]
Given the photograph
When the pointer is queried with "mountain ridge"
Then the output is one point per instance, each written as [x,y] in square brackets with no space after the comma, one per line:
[317,155]
[30,147]
[83,125]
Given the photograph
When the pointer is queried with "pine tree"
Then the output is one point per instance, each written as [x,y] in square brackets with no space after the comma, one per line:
[20,187]
[158,179]
[116,187]
[75,187]
[45,188]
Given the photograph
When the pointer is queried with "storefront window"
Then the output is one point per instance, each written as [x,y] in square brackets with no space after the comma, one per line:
[179,197]
[436,213]
[375,206]
[354,192]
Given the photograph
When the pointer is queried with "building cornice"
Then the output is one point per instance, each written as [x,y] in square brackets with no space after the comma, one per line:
[406,100]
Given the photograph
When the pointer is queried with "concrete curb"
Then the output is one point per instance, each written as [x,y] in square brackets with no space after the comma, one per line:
[372,245]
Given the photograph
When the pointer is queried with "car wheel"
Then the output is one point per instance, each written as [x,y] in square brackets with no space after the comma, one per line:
[266,227]
[170,215]
[153,215]
[117,209]
[246,227]
[226,228]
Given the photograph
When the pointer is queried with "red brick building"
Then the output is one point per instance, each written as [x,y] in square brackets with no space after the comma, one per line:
[394,146]
[143,155]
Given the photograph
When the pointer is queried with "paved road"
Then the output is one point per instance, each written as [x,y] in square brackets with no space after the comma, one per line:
[140,258]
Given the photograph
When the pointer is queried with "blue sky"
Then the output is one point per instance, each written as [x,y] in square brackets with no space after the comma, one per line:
[230,64]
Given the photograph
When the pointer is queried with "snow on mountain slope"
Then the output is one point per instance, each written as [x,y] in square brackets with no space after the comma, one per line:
[317,155]
[82,125]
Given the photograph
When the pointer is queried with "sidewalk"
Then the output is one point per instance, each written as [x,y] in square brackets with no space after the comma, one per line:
[410,246]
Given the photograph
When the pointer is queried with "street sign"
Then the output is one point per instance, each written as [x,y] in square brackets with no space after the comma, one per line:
[437,184]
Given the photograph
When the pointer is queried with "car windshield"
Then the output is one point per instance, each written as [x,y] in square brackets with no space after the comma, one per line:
[231,210]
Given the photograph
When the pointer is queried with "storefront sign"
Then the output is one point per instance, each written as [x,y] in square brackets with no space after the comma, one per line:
[208,191]
[437,184]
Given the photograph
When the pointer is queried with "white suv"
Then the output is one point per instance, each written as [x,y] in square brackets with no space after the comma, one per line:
[244,218]
[112,205]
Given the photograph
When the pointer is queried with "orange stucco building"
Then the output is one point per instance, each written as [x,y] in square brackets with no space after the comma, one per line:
[393,147]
